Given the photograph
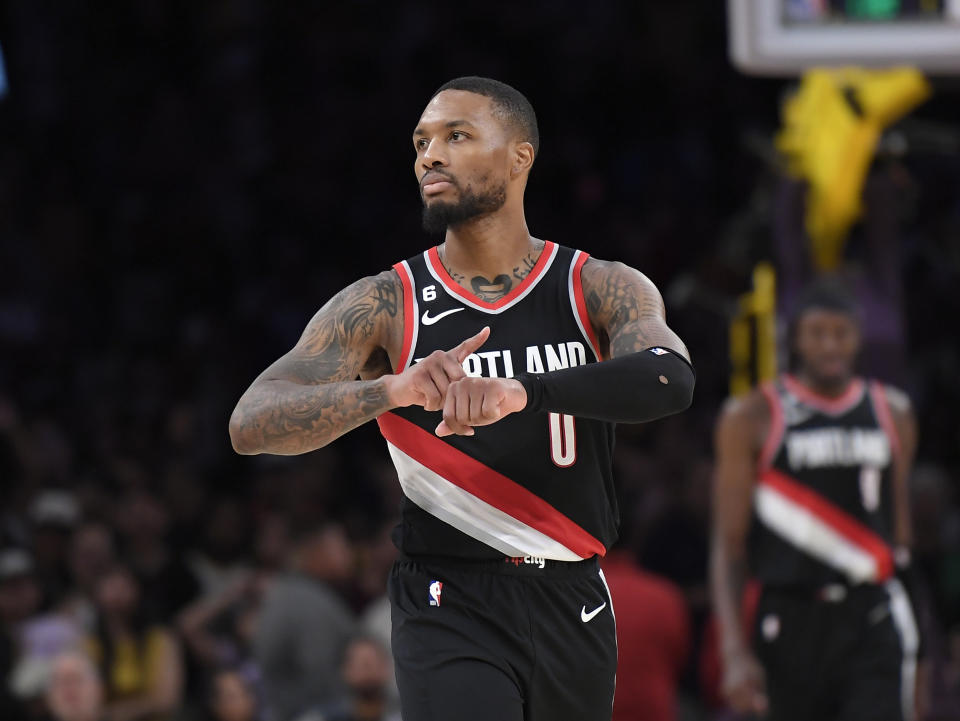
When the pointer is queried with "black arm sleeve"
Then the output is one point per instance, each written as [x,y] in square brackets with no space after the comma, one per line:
[634,388]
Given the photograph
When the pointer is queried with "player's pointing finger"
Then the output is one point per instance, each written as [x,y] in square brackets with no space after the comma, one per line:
[471,344]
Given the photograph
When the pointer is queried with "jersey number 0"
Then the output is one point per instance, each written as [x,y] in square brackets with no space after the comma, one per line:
[563,440]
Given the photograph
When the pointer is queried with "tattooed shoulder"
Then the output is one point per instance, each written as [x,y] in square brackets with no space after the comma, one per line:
[344,333]
[627,309]
[617,294]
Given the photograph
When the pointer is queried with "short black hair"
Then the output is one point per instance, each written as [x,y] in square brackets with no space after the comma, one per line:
[508,102]
[826,294]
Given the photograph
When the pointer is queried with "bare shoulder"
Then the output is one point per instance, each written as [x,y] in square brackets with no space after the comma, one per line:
[381,293]
[359,311]
[627,310]
[901,410]
[899,401]
[615,289]
[748,407]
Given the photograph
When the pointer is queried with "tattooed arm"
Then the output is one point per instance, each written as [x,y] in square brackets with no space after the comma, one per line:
[627,310]
[311,396]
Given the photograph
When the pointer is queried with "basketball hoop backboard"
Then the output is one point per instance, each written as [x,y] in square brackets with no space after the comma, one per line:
[786,37]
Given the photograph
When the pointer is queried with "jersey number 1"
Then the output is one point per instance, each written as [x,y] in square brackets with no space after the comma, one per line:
[870,488]
[563,440]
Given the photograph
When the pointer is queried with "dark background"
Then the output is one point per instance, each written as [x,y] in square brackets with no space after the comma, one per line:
[183,184]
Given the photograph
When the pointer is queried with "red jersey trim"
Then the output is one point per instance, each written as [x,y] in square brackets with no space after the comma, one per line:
[775,432]
[881,407]
[580,303]
[834,406]
[839,520]
[409,315]
[488,485]
[440,273]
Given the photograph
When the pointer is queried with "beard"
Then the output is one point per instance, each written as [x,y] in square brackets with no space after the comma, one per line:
[439,216]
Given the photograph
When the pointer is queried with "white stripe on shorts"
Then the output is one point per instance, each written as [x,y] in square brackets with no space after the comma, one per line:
[902,613]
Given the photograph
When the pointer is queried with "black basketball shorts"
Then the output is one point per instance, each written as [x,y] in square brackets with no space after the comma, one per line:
[519,639]
[840,653]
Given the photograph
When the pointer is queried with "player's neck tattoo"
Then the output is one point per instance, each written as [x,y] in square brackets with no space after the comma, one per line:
[493,289]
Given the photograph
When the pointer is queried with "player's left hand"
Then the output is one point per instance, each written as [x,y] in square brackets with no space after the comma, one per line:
[479,402]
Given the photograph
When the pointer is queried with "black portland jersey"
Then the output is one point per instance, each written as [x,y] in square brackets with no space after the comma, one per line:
[532,484]
[823,499]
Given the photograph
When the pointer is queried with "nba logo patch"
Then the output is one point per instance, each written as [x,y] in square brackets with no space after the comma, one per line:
[436,587]
[658,351]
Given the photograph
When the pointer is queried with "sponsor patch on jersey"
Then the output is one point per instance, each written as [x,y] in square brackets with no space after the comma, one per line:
[436,588]
[659,351]
[538,561]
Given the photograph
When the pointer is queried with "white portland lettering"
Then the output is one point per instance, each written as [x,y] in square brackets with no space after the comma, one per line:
[577,354]
[534,361]
[490,357]
[821,447]
[473,366]
[556,358]
[499,363]
[559,356]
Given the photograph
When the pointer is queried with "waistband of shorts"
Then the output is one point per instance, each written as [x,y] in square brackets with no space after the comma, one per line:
[526,566]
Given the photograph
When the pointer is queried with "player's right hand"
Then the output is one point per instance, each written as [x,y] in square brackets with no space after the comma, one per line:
[744,683]
[425,383]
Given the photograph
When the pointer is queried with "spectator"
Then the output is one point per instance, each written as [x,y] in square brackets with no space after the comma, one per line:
[53,515]
[34,637]
[271,544]
[74,689]
[140,661]
[303,626]
[91,554]
[366,673]
[375,621]
[168,583]
[221,558]
[232,697]
[218,629]
[653,640]
[19,600]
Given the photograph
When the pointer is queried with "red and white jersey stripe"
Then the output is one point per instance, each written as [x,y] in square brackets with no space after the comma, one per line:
[825,532]
[479,501]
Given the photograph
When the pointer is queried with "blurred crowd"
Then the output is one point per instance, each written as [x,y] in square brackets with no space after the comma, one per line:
[182,185]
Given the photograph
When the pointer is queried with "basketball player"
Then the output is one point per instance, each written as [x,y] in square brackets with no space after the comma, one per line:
[481,360]
[811,499]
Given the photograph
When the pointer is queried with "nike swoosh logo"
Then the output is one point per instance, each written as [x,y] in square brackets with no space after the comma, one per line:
[587,617]
[431,319]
